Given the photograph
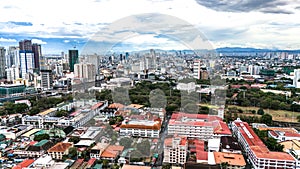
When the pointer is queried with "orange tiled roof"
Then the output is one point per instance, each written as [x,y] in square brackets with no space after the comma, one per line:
[116,106]
[24,164]
[126,166]
[60,147]
[99,104]
[112,151]
[257,146]
[137,106]
[231,158]
[283,129]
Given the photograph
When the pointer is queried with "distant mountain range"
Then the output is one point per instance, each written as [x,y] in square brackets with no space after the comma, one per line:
[225,50]
[251,50]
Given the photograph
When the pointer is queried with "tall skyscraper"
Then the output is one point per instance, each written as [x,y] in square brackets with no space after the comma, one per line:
[73,59]
[85,70]
[26,58]
[95,59]
[25,45]
[2,62]
[47,79]
[12,56]
[37,52]
[26,63]
[296,82]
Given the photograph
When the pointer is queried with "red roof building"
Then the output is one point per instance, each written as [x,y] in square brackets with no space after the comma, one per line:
[202,126]
[258,153]
[141,127]
[24,164]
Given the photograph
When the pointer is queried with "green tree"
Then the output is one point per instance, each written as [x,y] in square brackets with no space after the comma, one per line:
[40,137]
[34,111]
[20,108]
[126,142]
[267,119]
[72,152]
[298,118]
[224,165]
[166,166]
[105,163]
[260,111]
[9,107]
[61,113]
[74,140]
[144,148]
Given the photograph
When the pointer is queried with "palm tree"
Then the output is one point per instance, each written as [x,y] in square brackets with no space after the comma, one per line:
[224,165]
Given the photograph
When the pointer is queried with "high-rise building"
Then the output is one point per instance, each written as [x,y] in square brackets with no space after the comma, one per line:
[26,58]
[25,45]
[85,70]
[73,59]
[12,57]
[26,63]
[95,59]
[37,52]
[47,79]
[2,62]
[296,82]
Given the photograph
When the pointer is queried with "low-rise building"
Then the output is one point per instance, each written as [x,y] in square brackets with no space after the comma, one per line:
[24,164]
[76,119]
[141,127]
[15,131]
[279,133]
[213,145]
[97,150]
[230,160]
[44,161]
[59,149]
[283,136]
[112,152]
[230,145]
[34,150]
[92,133]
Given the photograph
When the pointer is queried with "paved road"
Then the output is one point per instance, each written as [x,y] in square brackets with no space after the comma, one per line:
[159,149]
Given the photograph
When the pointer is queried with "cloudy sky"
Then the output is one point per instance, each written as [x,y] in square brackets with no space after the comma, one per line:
[142,24]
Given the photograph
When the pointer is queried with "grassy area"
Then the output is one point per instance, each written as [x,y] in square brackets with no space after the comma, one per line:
[209,106]
[278,115]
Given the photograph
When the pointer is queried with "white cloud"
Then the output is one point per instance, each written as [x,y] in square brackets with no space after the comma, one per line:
[50,20]
[66,41]
[7,40]
[38,41]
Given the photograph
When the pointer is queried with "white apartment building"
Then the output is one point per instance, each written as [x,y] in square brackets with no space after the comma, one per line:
[189,87]
[200,126]
[296,82]
[26,63]
[76,119]
[12,73]
[175,150]
[196,69]
[141,128]
[259,155]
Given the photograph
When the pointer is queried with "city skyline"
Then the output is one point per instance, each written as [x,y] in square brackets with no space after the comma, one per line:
[257,24]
